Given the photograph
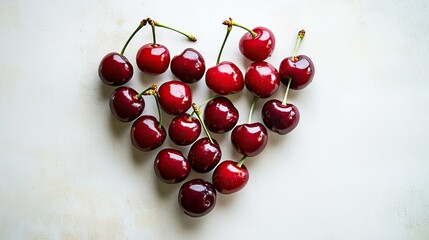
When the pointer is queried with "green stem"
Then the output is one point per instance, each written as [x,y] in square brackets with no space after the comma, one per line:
[252,106]
[245,28]
[153,87]
[142,23]
[242,160]
[202,104]
[286,92]
[152,24]
[155,95]
[197,111]
[228,30]
[189,36]
[299,38]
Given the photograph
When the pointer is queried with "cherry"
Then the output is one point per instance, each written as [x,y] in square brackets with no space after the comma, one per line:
[184,129]
[147,133]
[262,79]
[250,139]
[205,153]
[189,66]
[280,118]
[126,104]
[220,115]
[225,77]
[257,44]
[230,176]
[171,166]
[197,197]
[154,58]
[114,68]
[175,97]
[298,68]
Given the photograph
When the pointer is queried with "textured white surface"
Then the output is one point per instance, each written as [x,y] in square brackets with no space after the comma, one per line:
[356,167]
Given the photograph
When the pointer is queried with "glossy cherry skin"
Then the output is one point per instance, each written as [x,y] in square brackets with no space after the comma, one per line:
[249,139]
[184,130]
[146,134]
[175,97]
[260,47]
[197,197]
[262,79]
[189,66]
[220,115]
[280,118]
[153,59]
[229,178]
[124,104]
[115,70]
[301,71]
[225,78]
[204,155]
[171,166]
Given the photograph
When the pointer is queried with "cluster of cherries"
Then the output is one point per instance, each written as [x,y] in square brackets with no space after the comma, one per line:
[197,197]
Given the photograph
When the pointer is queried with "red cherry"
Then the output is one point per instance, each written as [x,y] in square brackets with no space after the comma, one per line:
[299,68]
[262,79]
[153,59]
[115,69]
[146,133]
[280,118]
[225,78]
[184,130]
[125,104]
[197,197]
[259,47]
[171,166]
[175,97]
[204,155]
[249,139]
[189,66]
[228,177]
[220,115]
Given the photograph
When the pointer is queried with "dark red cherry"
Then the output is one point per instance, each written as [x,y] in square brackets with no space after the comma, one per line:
[115,70]
[220,115]
[260,47]
[280,118]
[249,139]
[125,104]
[225,78]
[146,133]
[197,197]
[175,97]
[262,79]
[300,69]
[228,177]
[171,166]
[189,66]
[204,155]
[184,130]
[153,59]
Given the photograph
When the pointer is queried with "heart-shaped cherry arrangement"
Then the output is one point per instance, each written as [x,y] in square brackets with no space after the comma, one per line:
[197,197]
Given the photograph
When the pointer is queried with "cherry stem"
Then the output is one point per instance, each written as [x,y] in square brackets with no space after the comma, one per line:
[228,30]
[243,27]
[286,92]
[299,38]
[198,112]
[202,104]
[242,160]
[252,106]
[141,25]
[152,24]
[153,87]
[189,36]
[154,93]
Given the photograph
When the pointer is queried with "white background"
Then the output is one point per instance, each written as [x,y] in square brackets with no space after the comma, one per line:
[356,167]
